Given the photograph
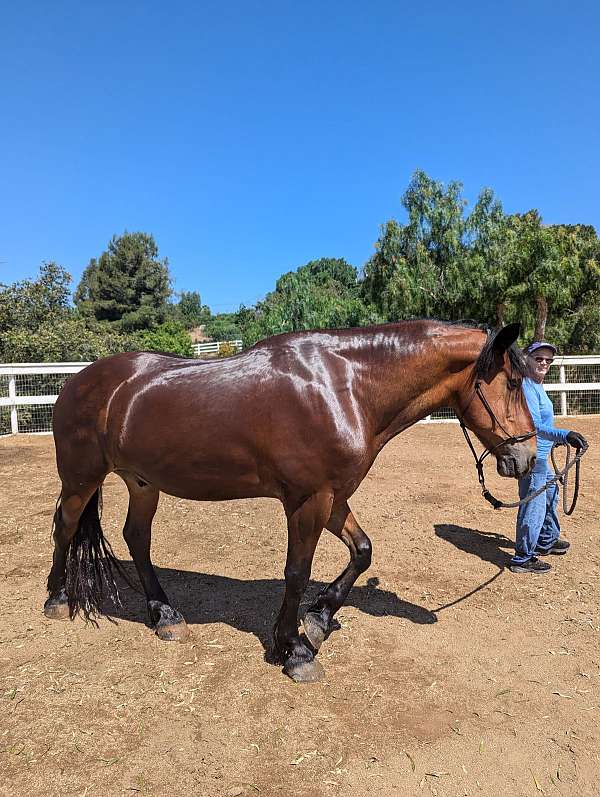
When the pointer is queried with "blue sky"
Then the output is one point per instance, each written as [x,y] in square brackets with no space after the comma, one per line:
[251,137]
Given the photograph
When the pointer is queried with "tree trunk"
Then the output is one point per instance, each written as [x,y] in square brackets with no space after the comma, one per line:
[541,316]
[500,307]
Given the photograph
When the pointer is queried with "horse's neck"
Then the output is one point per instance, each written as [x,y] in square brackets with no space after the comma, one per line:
[410,378]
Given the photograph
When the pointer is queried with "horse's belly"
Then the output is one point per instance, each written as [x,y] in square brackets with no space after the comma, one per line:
[213,489]
[187,473]
[199,462]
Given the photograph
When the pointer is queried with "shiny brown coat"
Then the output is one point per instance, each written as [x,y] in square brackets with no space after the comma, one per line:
[299,417]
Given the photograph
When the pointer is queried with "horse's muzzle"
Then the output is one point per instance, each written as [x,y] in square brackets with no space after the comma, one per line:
[515,460]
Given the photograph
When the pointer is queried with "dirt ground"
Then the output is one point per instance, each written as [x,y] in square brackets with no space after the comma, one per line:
[449,675]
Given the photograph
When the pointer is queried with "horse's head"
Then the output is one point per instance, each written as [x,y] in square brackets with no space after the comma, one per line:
[494,405]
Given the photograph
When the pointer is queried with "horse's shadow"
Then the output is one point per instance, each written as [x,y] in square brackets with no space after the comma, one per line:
[487,545]
[249,606]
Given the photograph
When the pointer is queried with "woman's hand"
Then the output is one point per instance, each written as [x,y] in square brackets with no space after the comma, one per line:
[577,440]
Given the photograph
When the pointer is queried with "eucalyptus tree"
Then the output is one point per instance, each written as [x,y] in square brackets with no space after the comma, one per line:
[489,261]
[575,325]
[546,272]
[426,267]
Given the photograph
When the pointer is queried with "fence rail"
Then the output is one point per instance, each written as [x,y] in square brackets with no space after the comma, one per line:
[28,391]
[215,347]
[572,383]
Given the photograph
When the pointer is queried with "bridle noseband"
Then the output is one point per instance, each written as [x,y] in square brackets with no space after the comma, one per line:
[520,438]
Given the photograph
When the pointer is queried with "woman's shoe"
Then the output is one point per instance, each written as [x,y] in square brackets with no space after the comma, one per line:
[532,565]
[559,547]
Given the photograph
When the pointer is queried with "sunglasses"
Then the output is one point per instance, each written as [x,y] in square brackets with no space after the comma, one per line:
[548,360]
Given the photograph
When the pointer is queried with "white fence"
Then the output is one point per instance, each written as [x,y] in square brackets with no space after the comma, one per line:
[215,346]
[572,383]
[28,391]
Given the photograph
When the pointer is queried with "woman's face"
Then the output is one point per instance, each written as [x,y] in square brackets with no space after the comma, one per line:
[539,362]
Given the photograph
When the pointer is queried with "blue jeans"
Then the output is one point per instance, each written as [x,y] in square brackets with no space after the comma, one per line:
[537,521]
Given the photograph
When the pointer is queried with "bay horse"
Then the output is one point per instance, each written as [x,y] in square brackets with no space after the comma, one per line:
[299,417]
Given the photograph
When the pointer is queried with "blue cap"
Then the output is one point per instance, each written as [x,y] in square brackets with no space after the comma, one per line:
[538,344]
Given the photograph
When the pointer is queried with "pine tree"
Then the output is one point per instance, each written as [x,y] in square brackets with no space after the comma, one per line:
[128,286]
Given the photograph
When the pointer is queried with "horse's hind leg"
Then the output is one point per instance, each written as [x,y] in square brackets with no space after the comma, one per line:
[317,620]
[168,623]
[305,524]
[77,507]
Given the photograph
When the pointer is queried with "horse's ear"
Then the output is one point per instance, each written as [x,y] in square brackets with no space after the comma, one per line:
[504,339]
[491,360]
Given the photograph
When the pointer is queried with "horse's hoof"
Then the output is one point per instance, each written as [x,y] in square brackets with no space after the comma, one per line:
[56,610]
[169,624]
[56,606]
[305,672]
[313,628]
[173,633]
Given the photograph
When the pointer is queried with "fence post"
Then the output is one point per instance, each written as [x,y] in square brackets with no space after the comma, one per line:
[12,393]
[563,396]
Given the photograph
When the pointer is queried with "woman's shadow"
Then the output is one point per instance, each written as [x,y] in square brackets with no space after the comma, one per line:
[487,545]
[249,606]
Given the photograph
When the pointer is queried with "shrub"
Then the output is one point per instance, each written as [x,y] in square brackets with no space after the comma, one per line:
[227,349]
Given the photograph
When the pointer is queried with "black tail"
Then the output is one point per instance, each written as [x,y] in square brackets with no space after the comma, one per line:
[91,565]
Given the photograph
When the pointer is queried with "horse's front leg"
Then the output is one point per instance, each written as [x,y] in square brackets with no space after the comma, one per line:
[317,621]
[305,524]
[168,623]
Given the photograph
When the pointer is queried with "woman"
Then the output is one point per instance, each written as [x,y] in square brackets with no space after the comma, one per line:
[538,529]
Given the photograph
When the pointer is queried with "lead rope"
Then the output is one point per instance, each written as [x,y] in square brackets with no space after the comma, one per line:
[564,479]
[560,476]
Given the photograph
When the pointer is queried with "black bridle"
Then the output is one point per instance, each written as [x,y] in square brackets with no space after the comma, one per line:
[559,476]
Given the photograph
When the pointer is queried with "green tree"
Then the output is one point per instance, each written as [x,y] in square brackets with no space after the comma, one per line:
[224,326]
[389,283]
[29,303]
[170,337]
[330,270]
[29,306]
[189,310]
[574,313]
[547,271]
[128,286]
[489,260]
[486,265]
[321,294]
[421,268]
[37,323]
[70,338]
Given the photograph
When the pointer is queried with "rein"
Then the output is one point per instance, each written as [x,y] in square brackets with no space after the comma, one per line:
[559,476]
[564,476]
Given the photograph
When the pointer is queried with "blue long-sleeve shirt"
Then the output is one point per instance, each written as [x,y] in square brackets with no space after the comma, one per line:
[542,412]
